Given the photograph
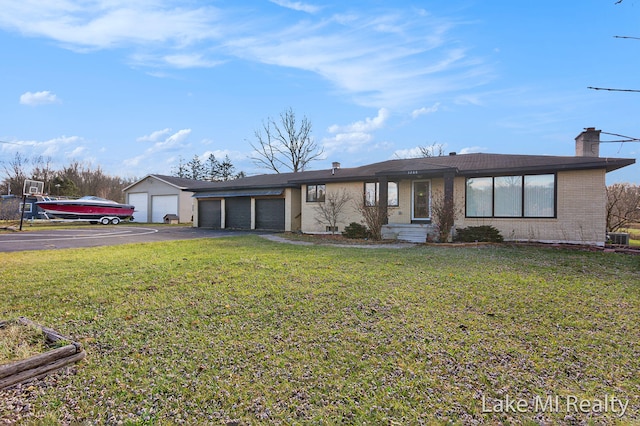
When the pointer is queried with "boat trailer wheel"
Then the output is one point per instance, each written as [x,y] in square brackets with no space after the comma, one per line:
[104,221]
[115,221]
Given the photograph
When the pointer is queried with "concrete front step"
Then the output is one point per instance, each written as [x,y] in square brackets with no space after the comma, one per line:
[412,232]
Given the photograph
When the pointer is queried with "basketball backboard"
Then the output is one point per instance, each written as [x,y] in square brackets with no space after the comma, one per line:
[33,187]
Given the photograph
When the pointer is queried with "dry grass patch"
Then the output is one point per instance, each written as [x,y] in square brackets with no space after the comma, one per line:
[18,342]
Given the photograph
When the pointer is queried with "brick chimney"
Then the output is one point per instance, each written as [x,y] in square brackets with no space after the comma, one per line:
[588,143]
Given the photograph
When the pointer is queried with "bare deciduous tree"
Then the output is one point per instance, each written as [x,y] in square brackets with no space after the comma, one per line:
[373,216]
[433,150]
[623,205]
[16,173]
[285,146]
[444,215]
[330,212]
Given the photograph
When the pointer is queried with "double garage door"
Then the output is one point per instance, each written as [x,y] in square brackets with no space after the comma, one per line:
[269,213]
[161,205]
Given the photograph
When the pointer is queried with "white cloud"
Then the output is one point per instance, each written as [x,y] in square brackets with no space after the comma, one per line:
[366,125]
[38,98]
[67,146]
[154,136]
[108,24]
[347,142]
[424,110]
[133,162]
[297,5]
[193,60]
[472,149]
[355,136]
[393,57]
[164,141]
[76,152]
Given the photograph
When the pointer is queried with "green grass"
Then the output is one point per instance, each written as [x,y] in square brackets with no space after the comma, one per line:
[243,329]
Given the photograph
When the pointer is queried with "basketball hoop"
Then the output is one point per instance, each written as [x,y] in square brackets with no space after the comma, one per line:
[33,187]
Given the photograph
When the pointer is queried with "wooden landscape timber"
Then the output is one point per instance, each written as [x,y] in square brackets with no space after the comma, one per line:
[42,364]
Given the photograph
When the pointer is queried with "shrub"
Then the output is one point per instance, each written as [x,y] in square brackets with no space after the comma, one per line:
[484,233]
[355,230]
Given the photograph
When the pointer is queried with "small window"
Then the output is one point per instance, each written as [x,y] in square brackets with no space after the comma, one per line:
[372,193]
[315,193]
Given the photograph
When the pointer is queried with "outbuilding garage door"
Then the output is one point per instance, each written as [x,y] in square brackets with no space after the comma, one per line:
[209,214]
[162,205]
[238,213]
[139,201]
[270,214]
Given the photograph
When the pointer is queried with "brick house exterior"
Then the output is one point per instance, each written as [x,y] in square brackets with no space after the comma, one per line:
[526,197]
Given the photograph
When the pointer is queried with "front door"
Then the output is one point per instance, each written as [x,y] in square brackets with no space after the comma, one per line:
[421,196]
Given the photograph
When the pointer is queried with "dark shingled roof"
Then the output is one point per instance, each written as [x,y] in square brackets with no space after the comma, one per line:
[460,165]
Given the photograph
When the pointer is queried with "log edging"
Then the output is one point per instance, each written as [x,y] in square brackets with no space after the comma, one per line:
[42,364]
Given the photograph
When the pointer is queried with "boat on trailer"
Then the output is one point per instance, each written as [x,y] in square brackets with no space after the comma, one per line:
[89,208]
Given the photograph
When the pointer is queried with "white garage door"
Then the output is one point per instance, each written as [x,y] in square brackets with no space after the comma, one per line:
[139,201]
[162,205]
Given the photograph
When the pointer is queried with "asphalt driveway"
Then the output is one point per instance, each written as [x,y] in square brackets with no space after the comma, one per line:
[95,236]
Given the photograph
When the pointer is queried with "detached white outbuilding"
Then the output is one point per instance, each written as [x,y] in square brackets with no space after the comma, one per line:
[156,196]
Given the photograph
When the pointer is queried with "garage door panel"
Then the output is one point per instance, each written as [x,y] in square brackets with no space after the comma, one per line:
[209,214]
[270,214]
[238,213]
[139,201]
[162,205]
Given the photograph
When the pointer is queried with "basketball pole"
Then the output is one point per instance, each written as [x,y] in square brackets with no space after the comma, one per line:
[24,203]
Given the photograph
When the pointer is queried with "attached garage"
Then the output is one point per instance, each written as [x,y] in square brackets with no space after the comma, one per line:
[271,207]
[162,205]
[270,213]
[210,214]
[238,213]
[140,202]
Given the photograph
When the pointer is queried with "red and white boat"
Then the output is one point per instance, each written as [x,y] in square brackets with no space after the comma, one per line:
[91,208]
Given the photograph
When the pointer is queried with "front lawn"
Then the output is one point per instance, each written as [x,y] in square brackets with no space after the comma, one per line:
[245,331]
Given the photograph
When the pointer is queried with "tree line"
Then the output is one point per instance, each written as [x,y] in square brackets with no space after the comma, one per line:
[73,180]
[211,170]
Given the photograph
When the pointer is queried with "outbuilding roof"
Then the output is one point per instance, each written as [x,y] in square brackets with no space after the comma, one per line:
[180,183]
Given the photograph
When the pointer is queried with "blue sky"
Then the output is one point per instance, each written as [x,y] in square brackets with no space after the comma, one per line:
[132,86]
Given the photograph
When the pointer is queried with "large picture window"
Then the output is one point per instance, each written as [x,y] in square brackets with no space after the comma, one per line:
[511,196]
[316,193]
[372,193]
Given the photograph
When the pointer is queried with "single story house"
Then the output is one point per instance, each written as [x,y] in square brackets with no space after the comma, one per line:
[526,197]
[156,196]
